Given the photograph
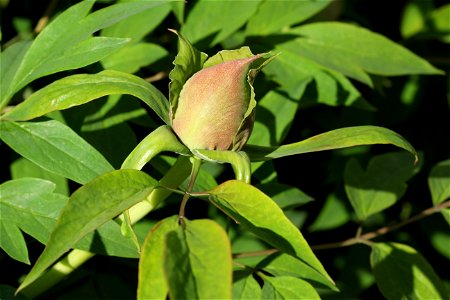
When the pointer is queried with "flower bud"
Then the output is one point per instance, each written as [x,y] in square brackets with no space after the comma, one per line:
[215,109]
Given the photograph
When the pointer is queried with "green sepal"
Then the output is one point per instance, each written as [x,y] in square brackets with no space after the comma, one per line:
[187,62]
[238,159]
[159,140]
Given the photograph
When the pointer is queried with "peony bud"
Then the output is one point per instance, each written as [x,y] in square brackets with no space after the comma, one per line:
[215,109]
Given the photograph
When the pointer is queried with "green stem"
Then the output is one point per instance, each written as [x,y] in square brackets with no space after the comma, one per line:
[196,163]
[75,258]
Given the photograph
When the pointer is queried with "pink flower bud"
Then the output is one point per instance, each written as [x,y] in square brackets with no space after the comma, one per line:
[214,109]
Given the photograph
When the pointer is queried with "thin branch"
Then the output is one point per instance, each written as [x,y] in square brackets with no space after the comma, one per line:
[158,76]
[360,238]
[43,21]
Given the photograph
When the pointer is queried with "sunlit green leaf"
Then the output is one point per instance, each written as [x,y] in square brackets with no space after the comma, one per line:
[381,185]
[335,139]
[152,284]
[402,273]
[197,261]
[261,215]
[53,48]
[79,89]
[88,208]
[56,148]
[287,287]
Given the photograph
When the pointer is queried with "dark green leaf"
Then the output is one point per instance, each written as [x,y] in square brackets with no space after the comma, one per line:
[56,148]
[139,25]
[268,129]
[356,51]
[272,16]
[152,284]
[335,139]
[22,167]
[222,19]
[80,89]
[197,261]
[8,293]
[287,197]
[332,215]
[88,208]
[439,182]
[295,72]
[31,205]
[259,214]
[279,264]
[402,273]
[10,60]
[381,185]
[286,287]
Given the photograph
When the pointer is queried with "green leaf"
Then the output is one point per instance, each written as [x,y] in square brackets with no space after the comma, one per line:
[402,273]
[381,185]
[8,293]
[139,25]
[285,196]
[88,208]
[246,287]
[335,139]
[223,18]
[356,51]
[197,261]
[152,284]
[22,167]
[85,53]
[279,264]
[439,182]
[159,140]
[187,62]
[332,215]
[295,72]
[268,129]
[80,89]
[31,205]
[109,112]
[63,36]
[259,214]
[272,16]
[10,60]
[131,58]
[56,148]
[287,287]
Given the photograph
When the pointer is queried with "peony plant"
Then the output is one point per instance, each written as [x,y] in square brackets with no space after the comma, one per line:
[209,116]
